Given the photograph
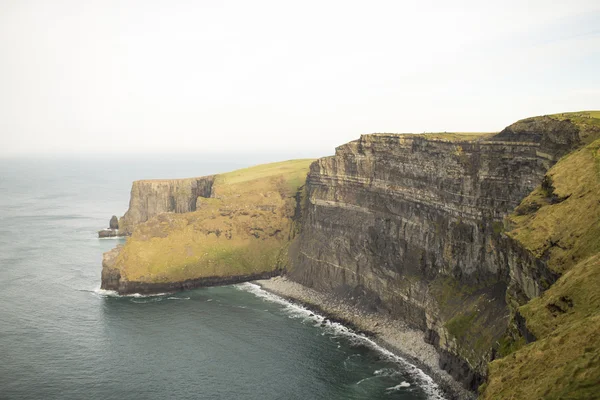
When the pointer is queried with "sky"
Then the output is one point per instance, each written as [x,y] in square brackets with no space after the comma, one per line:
[152,76]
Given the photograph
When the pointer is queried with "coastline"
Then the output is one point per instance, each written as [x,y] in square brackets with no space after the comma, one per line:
[392,335]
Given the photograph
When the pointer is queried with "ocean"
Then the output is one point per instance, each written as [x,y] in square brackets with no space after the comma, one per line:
[61,337]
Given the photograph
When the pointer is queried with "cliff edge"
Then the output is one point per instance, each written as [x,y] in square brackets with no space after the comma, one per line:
[413,226]
[487,243]
[224,229]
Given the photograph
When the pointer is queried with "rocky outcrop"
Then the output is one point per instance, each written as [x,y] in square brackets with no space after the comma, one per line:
[111,279]
[112,230]
[413,226]
[208,231]
[153,197]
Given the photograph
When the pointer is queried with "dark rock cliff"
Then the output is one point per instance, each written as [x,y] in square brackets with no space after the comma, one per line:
[152,197]
[411,226]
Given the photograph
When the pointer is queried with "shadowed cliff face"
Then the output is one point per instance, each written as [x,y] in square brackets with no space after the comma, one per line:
[152,197]
[414,224]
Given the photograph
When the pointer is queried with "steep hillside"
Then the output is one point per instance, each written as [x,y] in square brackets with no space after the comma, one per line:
[240,232]
[560,223]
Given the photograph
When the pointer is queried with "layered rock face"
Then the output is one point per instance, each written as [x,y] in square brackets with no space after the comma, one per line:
[411,225]
[152,197]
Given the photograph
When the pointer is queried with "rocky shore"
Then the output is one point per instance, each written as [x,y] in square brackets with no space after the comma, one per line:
[391,334]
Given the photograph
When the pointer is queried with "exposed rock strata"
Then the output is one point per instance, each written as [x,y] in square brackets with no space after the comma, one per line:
[152,197]
[412,227]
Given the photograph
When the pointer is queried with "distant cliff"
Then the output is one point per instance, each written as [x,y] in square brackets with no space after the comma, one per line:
[206,231]
[152,197]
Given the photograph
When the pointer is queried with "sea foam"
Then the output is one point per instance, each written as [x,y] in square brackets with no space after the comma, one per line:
[113,293]
[293,310]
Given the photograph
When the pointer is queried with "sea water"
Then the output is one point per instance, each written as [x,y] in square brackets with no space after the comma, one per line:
[61,337]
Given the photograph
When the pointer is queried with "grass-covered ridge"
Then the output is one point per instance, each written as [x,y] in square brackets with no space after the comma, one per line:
[588,123]
[457,136]
[560,223]
[243,229]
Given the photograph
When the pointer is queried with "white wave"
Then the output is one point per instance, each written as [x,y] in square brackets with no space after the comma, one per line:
[398,387]
[113,293]
[363,380]
[178,298]
[387,372]
[105,293]
[431,388]
[141,296]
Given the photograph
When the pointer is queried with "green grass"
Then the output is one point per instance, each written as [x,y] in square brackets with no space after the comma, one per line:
[294,172]
[588,123]
[471,316]
[564,363]
[568,231]
[244,229]
[458,136]
[460,324]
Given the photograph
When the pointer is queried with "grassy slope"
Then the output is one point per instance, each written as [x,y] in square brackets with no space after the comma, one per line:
[243,229]
[458,136]
[447,136]
[560,223]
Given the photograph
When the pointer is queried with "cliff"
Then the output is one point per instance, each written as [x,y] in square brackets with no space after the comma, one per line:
[217,230]
[488,243]
[152,197]
[413,226]
[559,223]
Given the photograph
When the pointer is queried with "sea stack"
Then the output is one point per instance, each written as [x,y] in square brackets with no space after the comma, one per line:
[114,223]
[113,228]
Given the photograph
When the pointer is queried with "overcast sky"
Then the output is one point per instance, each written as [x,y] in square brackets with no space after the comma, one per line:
[244,76]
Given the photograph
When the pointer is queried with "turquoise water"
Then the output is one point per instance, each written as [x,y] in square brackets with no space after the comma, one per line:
[63,338]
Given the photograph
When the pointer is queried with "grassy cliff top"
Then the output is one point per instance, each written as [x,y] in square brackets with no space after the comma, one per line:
[444,136]
[588,123]
[457,136]
[243,229]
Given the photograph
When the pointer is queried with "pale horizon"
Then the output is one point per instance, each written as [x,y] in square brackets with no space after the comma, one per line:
[269,77]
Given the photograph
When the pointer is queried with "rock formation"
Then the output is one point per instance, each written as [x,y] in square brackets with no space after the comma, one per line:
[113,229]
[207,231]
[114,222]
[458,235]
[413,226]
[152,197]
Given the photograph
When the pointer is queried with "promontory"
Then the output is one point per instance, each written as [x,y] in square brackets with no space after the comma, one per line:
[488,243]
